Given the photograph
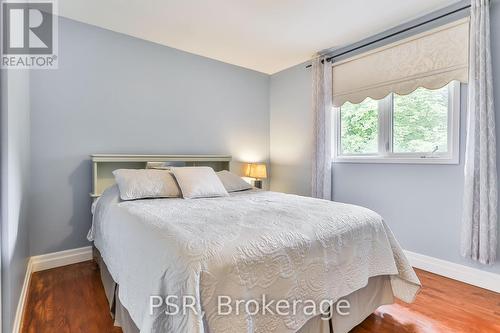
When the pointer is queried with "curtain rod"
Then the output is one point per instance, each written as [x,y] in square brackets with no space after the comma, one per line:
[411,27]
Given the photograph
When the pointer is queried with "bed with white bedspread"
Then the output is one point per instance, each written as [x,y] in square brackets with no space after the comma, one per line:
[243,246]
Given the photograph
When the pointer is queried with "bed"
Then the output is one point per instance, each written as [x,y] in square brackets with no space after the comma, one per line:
[244,247]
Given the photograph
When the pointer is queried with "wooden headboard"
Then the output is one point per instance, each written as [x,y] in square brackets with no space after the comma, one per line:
[103,165]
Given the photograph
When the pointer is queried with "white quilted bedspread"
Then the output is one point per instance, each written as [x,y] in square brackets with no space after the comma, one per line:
[242,246]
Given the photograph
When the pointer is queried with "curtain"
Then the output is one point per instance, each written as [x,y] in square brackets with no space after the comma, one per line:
[479,222]
[322,109]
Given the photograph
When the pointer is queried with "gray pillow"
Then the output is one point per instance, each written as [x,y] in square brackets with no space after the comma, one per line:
[233,182]
[199,182]
[146,183]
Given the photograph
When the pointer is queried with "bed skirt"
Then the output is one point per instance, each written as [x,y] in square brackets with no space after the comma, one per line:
[362,302]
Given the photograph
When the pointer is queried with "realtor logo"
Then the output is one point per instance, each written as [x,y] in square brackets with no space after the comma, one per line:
[29,34]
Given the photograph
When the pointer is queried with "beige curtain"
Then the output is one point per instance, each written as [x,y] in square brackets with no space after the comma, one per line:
[480,220]
[322,113]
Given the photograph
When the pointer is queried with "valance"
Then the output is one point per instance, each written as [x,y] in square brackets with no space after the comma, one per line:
[431,59]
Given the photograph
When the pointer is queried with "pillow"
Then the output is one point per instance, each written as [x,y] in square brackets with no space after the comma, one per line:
[146,183]
[199,182]
[232,182]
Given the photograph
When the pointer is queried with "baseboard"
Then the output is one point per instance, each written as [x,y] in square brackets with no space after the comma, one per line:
[62,258]
[466,274]
[16,327]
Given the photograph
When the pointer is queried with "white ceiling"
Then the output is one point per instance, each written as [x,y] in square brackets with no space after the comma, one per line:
[264,35]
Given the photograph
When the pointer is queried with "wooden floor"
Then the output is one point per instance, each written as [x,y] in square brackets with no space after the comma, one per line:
[71,299]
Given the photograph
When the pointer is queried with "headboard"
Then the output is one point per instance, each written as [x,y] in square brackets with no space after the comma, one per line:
[104,164]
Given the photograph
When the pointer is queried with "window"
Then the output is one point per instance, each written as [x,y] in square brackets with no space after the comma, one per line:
[421,127]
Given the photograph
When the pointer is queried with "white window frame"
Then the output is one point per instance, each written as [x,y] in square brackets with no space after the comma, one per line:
[385,154]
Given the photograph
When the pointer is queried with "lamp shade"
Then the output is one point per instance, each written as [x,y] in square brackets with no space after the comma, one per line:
[255,170]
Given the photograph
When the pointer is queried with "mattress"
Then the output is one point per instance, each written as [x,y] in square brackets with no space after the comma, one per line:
[250,244]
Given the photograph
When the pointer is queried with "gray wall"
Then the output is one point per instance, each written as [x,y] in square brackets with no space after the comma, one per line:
[421,203]
[15,159]
[116,94]
[291,131]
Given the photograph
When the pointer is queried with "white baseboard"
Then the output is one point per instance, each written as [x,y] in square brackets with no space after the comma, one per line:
[16,327]
[470,275]
[43,262]
[63,258]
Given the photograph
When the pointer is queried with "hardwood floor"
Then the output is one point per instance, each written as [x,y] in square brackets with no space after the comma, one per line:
[67,299]
[71,299]
[443,305]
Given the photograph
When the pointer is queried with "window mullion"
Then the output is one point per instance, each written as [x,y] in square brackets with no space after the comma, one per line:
[389,122]
[385,126]
[381,127]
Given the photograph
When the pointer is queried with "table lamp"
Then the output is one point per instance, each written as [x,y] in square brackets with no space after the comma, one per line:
[257,171]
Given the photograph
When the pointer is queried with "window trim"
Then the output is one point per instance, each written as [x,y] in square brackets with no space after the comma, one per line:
[385,119]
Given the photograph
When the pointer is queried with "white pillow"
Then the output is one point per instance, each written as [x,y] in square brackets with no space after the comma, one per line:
[232,182]
[199,182]
[146,183]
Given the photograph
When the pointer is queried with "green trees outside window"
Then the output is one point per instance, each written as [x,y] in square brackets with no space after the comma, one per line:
[417,123]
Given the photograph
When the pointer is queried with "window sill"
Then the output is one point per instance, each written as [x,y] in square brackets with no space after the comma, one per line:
[396,160]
